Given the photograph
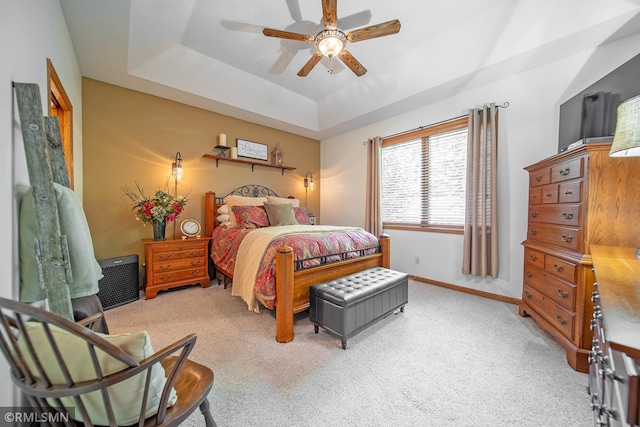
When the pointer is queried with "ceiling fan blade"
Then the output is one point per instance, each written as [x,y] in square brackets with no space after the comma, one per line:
[378,30]
[294,10]
[287,35]
[310,64]
[356,20]
[351,62]
[330,14]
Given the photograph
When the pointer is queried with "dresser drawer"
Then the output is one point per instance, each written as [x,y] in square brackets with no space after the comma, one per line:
[557,316]
[560,268]
[556,235]
[556,214]
[534,258]
[535,196]
[565,171]
[570,192]
[178,264]
[539,177]
[559,291]
[550,193]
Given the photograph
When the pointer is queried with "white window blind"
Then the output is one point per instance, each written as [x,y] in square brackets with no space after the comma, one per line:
[423,180]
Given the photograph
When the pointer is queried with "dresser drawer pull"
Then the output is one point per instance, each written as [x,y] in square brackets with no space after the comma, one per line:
[165,278]
[548,195]
[194,272]
[567,215]
[567,238]
[560,320]
[164,256]
[534,214]
[533,257]
[563,294]
[195,262]
[538,178]
[568,193]
[534,232]
[528,274]
[557,267]
[165,267]
[595,296]
[527,294]
[565,172]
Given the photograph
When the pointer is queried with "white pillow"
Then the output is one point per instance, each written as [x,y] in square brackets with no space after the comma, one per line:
[223,218]
[126,397]
[280,200]
[234,200]
[223,210]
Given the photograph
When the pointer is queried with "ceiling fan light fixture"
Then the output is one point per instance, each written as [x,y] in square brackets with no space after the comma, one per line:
[330,42]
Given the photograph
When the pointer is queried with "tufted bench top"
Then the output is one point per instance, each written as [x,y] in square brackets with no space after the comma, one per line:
[358,286]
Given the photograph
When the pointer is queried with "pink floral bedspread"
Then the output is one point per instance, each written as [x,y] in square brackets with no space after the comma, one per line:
[310,249]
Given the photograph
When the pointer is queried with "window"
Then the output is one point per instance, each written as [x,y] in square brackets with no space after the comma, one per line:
[423,177]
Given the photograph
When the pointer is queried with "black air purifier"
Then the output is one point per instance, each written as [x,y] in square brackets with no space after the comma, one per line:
[119,285]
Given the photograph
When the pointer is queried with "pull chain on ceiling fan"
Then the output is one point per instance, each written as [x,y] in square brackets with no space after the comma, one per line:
[331,42]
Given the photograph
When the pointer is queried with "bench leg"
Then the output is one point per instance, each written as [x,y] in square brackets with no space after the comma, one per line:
[343,344]
[315,328]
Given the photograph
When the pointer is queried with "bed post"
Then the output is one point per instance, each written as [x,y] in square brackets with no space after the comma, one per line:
[385,249]
[284,294]
[209,212]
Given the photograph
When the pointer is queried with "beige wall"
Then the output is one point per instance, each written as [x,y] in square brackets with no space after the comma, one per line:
[133,137]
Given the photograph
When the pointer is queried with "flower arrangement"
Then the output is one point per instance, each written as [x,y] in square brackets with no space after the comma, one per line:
[161,207]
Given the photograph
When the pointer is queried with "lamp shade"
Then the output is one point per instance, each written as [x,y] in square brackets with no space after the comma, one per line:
[626,140]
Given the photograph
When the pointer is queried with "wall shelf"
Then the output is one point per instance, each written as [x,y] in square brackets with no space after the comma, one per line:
[247,162]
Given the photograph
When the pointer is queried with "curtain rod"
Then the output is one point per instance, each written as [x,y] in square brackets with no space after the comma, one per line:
[504,105]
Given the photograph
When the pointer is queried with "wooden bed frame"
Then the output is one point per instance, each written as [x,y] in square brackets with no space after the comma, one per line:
[292,287]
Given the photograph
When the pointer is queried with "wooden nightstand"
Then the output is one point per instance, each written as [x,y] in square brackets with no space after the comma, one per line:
[175,262]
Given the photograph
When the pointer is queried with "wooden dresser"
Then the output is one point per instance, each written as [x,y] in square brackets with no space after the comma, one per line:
[614,382]
[577,199]
[175,262]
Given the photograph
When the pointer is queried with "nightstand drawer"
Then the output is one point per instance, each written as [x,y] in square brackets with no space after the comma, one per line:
[191,253]
[179,264]
[173,276]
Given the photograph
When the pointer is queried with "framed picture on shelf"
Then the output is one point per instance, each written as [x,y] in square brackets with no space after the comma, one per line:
[252,150]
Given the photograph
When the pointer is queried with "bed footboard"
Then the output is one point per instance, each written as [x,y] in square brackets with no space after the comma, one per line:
[292,288]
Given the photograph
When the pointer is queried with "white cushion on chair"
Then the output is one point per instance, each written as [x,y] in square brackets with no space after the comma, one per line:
[126,397]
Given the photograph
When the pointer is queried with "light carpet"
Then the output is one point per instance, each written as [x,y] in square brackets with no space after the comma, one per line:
[451,359]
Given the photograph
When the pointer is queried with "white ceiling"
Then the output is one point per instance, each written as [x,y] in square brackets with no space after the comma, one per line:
[212,54]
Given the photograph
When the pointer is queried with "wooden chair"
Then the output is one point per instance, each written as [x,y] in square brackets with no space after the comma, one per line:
[33,341]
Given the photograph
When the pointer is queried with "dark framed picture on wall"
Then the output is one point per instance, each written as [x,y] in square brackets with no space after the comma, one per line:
[252,150]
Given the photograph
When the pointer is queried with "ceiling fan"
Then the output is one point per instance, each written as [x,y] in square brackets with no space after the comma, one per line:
[331,42]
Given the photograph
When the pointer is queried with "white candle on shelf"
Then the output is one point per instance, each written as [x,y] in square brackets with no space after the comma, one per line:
[234,152]
[222,139]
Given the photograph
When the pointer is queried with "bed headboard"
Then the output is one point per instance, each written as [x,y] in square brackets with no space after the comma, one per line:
[213,202]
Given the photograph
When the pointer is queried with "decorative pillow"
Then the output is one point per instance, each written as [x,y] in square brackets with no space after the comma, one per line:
[302,215]
[284,200]
[126,397]
[222,218]
[280,214]
[250,216]
[234,200]
[223,210]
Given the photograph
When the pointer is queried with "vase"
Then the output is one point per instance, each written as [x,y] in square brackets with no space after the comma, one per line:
[158,229]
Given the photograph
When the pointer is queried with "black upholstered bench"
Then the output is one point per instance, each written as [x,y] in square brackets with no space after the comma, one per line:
[348,305]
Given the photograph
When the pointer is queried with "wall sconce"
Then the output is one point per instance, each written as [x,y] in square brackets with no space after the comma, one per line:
[626,140]
[176,167]
[308,183]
